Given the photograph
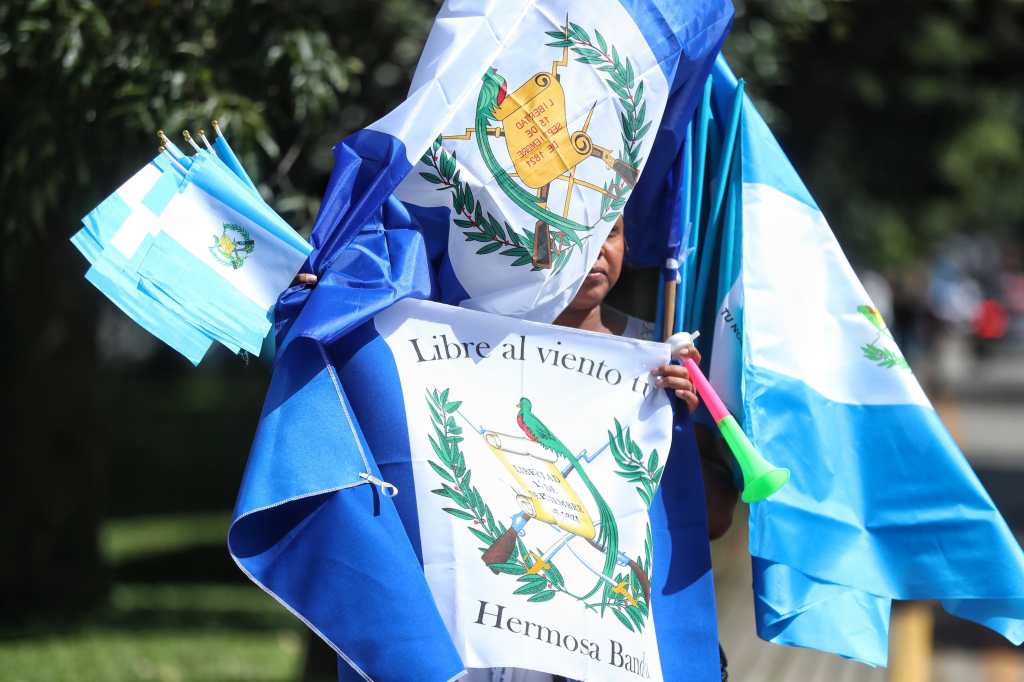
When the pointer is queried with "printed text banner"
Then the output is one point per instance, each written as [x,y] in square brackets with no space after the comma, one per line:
[535,452]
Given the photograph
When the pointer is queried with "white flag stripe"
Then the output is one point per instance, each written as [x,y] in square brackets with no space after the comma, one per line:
[139,224]
[141,221]
[138,186]
[512,39]
[802,300]
[442,82]
[196,220]
[484,367]
[726,355]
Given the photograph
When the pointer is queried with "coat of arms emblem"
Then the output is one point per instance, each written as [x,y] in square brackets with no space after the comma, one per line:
[547,479]
[232,246]
[532,121]
[882,350]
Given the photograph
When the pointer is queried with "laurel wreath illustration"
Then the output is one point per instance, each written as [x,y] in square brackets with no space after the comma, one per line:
[876,353]
[619,76]
[231,251]
[480,225]
[467,505]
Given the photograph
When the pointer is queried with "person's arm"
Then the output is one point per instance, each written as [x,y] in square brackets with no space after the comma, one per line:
[720,491]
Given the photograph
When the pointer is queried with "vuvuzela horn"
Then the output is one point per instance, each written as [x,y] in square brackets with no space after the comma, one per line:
[761,478]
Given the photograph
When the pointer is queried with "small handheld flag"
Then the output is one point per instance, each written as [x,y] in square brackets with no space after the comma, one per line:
[191,252]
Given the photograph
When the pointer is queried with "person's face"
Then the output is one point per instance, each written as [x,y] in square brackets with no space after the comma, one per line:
[605,273]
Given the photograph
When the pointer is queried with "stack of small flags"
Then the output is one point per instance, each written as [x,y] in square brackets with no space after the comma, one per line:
[189,249]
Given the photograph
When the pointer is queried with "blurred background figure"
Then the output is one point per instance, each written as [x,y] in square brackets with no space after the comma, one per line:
[954,298]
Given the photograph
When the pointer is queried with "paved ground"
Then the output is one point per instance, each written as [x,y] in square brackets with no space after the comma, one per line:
[985,413]
[984,409]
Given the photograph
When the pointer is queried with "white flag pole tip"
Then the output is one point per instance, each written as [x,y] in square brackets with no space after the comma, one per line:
[188,138]
[174,162]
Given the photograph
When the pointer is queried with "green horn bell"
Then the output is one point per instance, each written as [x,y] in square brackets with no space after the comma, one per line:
[761,478]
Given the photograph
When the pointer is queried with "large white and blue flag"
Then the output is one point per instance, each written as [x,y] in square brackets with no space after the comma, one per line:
[532,503]
[882,505]
[549,513]
[525,119]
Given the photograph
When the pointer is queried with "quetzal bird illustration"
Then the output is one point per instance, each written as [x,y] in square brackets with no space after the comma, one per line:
[492,94]
[608,530]
[874,316]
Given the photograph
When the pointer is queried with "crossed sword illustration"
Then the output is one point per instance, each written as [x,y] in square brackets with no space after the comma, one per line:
[628,173]
[502,548]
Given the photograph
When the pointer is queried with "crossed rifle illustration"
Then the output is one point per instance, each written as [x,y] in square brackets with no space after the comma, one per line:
[545,496]
[533,121]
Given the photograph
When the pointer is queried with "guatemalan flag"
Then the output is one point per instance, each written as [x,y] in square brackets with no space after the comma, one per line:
[109,243]
[193,254]
[881,505]
[528,126]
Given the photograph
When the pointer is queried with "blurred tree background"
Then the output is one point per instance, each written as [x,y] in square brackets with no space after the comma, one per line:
[122,462]
[905,120]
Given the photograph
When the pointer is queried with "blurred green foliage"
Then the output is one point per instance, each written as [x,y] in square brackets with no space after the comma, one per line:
[87,85]
[161,623]
[171,633]
[905,119]
[128,539]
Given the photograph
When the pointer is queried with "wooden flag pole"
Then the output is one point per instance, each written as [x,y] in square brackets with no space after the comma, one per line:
[669,316]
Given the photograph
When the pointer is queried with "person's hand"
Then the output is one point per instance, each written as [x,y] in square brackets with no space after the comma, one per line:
[306,279]
[676,378]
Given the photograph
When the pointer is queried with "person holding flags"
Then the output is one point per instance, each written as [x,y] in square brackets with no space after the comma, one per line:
[588,311]
[421,207]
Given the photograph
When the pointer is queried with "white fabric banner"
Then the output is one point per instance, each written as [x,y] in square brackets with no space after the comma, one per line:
[535,452]
[574,97]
